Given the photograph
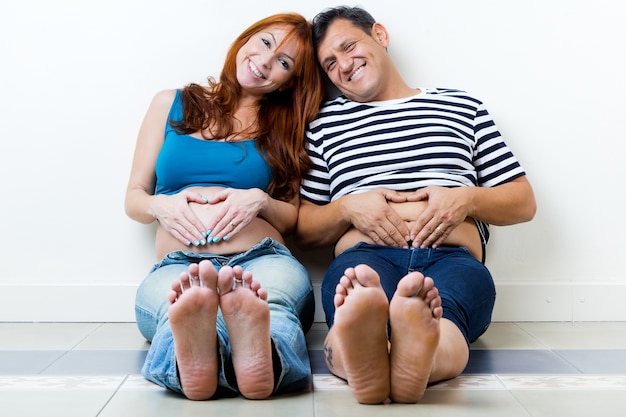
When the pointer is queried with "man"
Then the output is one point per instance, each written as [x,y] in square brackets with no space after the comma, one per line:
[404,184]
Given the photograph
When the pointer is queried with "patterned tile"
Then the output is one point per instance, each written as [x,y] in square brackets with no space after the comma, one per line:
[554,382]
[31,382]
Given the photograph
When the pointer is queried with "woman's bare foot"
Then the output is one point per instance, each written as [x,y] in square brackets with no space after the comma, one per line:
[415,311]
[357,346]
[192,314]
[244,306]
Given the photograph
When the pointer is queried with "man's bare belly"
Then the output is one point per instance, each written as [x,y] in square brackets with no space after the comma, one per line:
[253,233]
[465,234]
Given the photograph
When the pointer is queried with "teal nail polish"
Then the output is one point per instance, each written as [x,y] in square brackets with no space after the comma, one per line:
[187,243]
[204,234]
[196,243]
[203,242]
[216,239]
[226,238]
[208,232]
[204,198]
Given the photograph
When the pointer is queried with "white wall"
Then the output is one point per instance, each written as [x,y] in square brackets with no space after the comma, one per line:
[76,78]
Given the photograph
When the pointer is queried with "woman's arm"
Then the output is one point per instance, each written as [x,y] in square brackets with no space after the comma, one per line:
[141,204]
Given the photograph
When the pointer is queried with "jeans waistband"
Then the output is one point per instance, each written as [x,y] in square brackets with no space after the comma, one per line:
[267,245]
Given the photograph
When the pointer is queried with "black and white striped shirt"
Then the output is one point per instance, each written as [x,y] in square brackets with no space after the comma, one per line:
[439,137]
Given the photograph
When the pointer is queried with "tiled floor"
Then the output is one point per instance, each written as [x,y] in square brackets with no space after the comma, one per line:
[515,369]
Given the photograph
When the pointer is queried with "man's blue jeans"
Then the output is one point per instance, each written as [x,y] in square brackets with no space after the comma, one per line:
[465,285]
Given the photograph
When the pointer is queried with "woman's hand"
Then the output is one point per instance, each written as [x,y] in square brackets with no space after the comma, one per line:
[237,209]
[175,216]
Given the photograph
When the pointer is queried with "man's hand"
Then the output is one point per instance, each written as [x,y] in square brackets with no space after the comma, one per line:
[447,208]
[371,214]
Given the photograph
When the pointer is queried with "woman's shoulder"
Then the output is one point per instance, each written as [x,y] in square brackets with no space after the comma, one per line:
[165,98]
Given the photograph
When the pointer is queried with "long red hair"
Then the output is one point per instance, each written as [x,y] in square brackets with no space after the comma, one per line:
[283,115]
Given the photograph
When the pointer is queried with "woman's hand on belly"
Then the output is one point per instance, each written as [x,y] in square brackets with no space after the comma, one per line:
[249,234]
[229,211]
[174,214]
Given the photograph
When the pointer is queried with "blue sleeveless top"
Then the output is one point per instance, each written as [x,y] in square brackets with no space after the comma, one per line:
[185,161]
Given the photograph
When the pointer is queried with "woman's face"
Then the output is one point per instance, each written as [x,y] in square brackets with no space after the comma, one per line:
[261,68]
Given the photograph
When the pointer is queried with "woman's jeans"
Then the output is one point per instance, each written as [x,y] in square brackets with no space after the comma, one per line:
[465,285]
[291,304]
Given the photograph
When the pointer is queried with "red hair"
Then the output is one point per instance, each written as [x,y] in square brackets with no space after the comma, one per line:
[283,115]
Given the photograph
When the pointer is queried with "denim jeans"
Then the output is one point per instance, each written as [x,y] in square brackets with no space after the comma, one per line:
[465,285]
[291,304]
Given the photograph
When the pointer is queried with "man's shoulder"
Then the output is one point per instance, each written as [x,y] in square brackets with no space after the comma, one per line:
[336,102]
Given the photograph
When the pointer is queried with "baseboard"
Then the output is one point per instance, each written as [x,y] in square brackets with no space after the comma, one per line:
[517,301]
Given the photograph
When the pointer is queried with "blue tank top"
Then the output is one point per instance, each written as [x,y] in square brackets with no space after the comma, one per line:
[185,161]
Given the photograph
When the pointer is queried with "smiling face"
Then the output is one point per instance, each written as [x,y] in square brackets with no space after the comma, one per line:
[355,62]
[263,67]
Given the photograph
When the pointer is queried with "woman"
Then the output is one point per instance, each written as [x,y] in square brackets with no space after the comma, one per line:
[219,168]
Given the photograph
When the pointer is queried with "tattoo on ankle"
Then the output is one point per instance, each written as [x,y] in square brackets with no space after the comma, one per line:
[328,354]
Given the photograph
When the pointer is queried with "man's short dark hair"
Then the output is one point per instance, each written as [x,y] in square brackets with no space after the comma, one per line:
[357,16]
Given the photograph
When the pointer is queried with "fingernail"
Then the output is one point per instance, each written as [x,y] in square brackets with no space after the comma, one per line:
[187,243]
[203,242]
[204,198]
[208,232]
[226,238]
[216,239]
[204,234]
[196,243]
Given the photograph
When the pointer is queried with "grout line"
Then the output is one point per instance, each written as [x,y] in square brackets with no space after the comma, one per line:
[113,395]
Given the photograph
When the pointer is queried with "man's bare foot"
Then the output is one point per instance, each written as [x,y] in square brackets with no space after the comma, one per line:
[357,346]
[415,311]
[247,316]
[192,314]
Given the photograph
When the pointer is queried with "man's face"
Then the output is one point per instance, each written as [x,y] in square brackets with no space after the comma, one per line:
[353,61]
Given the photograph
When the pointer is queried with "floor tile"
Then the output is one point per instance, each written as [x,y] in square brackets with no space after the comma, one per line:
[578,335]
[515,370]
[137,398]
[573,403]
[517,361]
[44,336]
[440,403]
[114,336]
[318,365]
[27,362]
[576,382]
[596,361]
[106,362]
[506,336]
[22,396]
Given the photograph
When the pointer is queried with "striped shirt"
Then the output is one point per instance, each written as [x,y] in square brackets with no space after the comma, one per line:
[439,137]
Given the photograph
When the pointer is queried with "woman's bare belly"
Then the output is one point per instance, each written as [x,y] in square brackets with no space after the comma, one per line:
[465,234]
[253,233]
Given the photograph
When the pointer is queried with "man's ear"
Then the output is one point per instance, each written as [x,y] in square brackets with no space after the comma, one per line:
[380,34]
